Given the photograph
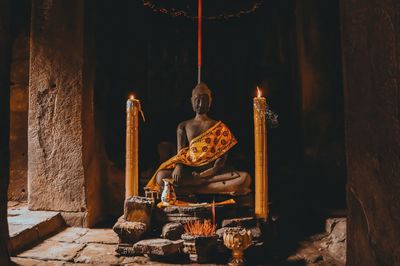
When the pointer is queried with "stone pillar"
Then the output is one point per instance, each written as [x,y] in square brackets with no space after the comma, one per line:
[63,165]
[5,45]
[370,34]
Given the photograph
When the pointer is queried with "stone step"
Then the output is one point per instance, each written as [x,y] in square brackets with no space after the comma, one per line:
[28,227]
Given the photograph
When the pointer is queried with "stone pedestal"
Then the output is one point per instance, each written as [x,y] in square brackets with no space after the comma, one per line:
[63,159]
[138,209]
[134,223]
[190,213]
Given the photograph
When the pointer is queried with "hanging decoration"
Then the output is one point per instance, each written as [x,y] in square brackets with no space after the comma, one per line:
[199,36]
[214,10]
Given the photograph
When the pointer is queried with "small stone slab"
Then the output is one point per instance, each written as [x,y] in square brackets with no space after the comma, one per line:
[125,249]
[339,231]
[98,254]
[158,247]
[184,214]
[249,223]
[24,217]
[182,219]
[52,250]
[330,223]
[245,222]
[138,209]
[193,211]
[335,242]
[70,234]
[255,232]
[172,231]
[16,229]
[101,236]
[129,232]
[27,227]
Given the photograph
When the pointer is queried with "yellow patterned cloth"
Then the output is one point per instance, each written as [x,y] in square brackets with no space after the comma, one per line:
[204,149]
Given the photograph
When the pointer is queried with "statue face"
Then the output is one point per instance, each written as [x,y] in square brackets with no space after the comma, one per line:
[201,103]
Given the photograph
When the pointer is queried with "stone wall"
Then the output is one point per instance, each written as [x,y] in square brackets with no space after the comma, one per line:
[64,168]
[370,34]
[5,47]
[19,80]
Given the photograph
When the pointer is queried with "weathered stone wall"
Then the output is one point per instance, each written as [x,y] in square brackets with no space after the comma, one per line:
[319,66]
[371,60]
[5,47]
[19,80]
[63,165]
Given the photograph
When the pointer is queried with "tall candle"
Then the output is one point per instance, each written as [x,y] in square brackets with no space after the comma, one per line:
[260,152]
[132,151]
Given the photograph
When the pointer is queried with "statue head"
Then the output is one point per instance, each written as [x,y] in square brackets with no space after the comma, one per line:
[201,98]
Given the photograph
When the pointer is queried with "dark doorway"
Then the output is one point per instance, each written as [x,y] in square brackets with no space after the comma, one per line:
[154,56]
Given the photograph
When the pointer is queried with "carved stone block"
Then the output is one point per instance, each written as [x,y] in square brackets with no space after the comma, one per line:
[158,247]
[138,209]
[172,231]
[129,232]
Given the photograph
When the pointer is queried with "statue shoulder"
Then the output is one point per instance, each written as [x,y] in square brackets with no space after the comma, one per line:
[213,122]
[182,126]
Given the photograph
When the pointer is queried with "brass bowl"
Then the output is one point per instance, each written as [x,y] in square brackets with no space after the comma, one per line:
[237,239]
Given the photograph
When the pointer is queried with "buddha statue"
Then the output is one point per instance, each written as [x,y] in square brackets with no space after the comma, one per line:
[203,145]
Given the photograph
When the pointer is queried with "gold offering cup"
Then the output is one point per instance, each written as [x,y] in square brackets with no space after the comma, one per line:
[238,239]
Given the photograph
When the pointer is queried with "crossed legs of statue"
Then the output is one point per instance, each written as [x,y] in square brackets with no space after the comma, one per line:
[228,182]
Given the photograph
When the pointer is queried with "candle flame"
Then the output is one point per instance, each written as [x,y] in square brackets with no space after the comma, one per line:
[258,92]
[132,97]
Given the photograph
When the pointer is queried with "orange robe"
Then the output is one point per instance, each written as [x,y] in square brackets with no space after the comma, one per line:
[204,149]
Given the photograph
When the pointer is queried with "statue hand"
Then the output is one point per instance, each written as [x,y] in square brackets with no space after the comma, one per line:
[176,174]
[195,174]
[204,174]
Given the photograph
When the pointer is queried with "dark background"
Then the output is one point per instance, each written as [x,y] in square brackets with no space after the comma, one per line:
[154,56]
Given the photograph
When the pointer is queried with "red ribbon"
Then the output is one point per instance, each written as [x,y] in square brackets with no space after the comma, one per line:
[199,31]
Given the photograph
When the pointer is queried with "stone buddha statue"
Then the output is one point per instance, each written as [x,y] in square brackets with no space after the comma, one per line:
[203,145]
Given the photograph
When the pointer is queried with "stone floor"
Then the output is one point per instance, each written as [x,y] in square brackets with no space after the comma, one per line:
[77,246]
[82,246]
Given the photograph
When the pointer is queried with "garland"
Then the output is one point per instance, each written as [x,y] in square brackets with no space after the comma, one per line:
[213,9]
